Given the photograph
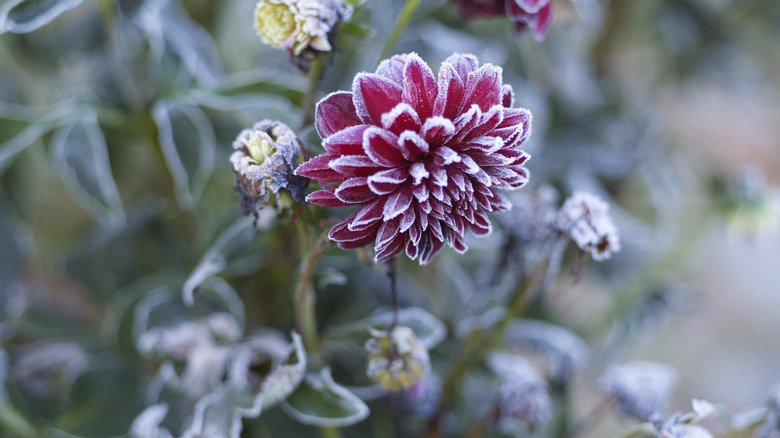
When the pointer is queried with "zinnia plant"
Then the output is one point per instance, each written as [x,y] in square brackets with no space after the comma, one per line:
[421,157]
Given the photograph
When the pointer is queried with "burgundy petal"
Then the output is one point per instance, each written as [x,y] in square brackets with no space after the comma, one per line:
[450,94]
[381,146]
[348,141]
[393,69]
[483,88]
[390,250]
[396,203]
[318,168]
[334,113]
[355,191]
[386,233]
[324,198]
[463,64]
[507,96]
[368,215]
[354,165]
[412,145]
[437,130]
[374,95]
[387,181]
[401,118]
[420,89]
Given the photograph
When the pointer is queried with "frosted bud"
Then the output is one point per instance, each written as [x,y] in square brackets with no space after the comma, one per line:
[396,360]
[585,219]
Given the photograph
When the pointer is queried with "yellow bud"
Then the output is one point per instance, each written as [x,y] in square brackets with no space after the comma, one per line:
[275,23]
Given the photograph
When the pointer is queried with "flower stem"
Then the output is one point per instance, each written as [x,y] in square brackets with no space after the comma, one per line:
[330,432]
[391,274]
[310,98]
[305,319]
[486,423]
[403,20]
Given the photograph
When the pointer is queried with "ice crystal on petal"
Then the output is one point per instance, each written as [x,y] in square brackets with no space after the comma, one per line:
[422,156]
[585,219]
[264,160]
[641,388]
[535,15]
[295,25]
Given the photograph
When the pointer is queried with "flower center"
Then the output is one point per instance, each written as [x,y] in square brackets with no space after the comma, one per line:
[260,147]
[275,22]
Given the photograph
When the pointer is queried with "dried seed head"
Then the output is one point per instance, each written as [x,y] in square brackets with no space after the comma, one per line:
[397,360]
[585,219]
[264,160]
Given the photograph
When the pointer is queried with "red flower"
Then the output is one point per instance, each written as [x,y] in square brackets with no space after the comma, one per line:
[534,14]
[421,157]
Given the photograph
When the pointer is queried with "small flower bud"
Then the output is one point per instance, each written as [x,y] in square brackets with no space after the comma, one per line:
[264,161]
[297,25]
[396,360]
[585,219]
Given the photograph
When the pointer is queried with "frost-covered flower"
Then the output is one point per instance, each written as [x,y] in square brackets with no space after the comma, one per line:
[585,219]
[422,158]
[264,160]
[523,394]
[295,25]
[533,14]
[641,388]
[396,360]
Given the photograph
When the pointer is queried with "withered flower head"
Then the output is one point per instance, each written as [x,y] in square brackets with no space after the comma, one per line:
[264,161]
[585,219]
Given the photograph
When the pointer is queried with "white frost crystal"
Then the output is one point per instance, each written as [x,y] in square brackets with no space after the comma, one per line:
[585,219]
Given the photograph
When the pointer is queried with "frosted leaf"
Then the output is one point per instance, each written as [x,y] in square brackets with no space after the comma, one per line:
[428,330]
[320,401]
[585,219]
[641,388]
[523,394]
[215,259]
[563,350]
[147,424]
[284,379]
[678,427]
[23,16]
[703,408]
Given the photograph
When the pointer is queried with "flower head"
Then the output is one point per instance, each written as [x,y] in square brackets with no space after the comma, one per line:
[533,14]
[264,160]
[585,219]
[396,360]
[421,157]
[295,25]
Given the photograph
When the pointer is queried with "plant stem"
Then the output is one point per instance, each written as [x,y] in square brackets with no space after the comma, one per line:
[400,25]
[485,423]
[330,432]
[310,98]
[391,274]
[305,319]
[585,423]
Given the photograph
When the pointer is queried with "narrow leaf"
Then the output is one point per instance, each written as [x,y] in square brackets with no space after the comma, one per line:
[81,157]
[188,144]
[23,16]
[319,401]
[426,327]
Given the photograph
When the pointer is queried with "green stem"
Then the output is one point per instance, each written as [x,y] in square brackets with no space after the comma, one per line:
[400,25]
[15,423]
[310,98]
[305,318]
[330,432]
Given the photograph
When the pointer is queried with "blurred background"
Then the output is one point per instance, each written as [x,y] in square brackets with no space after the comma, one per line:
[117,120]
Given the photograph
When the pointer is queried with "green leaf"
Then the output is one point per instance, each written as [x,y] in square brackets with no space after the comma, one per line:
[283,380]
[319,401]
[23,16]
[24,134]
[428,330]
[188,144]
[354,30]
[81,157]
[215,259]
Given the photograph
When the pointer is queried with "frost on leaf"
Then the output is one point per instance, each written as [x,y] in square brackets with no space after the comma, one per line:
[641,388]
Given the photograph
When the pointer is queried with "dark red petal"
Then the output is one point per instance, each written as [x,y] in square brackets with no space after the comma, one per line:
[348,141]
[412,145]
[407,219]
[437,130]
[483,88]
[334,113]
[527,6]
[355,191]
[450,92]
[445,156]
[389,250]
[324,198]
[397,203]
[386,233]
[393,68]
[354,165]
[488,121]
[412,250]
[485,160]
[387,181]
[507,96]
[541,22]
[420,88]
[367,215]
[401,118]
[481,226]
[374,95]
[381,146]
[341,232]
[429,247]
[357,243]
[463,64]
[318,168]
